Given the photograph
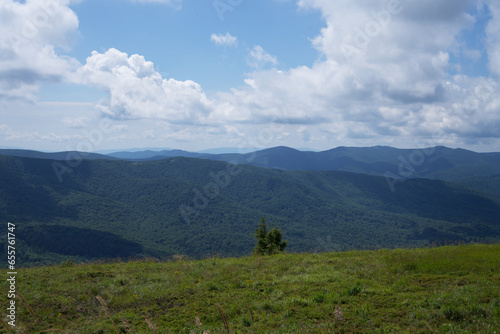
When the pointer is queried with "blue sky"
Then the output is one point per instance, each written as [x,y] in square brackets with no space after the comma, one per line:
[178,41]
[99,75]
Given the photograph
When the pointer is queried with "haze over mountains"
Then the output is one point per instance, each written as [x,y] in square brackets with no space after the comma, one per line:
[163,203]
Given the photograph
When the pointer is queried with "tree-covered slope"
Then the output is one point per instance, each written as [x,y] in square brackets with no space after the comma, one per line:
[475,170]
[199,207]
[434,162]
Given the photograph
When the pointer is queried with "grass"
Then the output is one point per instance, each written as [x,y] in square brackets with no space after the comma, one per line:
[453,289]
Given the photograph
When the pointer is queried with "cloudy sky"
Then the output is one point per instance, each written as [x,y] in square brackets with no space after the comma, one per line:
[95,75]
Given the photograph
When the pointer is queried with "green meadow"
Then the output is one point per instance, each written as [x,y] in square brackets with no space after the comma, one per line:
[452,289]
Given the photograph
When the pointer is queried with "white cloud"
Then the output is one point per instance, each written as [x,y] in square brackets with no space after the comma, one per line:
[493,37]
[137,91]
[29,34]
[10,134]
[380,75]
[259,58]
[75,122]
[226,39]
[389,45]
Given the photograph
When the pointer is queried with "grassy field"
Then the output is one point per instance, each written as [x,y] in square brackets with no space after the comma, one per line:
[453,289]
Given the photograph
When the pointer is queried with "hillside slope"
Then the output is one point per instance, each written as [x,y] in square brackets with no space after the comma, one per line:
[69,155]
[477,171]
[199,207]
[474,170]
[434,290]
[435,162]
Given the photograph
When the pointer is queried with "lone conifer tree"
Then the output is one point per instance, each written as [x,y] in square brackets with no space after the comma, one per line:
[268,241]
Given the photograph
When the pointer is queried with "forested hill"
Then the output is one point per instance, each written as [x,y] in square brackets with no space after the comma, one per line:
[68,155]
[480,171]
[199,207]
[434,162]
[442,163]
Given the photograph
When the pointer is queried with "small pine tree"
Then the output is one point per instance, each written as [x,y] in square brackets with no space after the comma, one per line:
[268,241]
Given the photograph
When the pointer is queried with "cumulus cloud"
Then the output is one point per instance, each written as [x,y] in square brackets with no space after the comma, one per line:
[387,44]
[226,39]
[383,72]
[379,74]
[29,34]
[137,91]
[259,58]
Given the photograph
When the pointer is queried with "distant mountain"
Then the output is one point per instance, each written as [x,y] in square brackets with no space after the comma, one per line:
[437,162]
[145,155]
[9,147]
[199,207]
[155,155]
[440,163]
[474,170]
[226,150]
[157,149]
[69,155]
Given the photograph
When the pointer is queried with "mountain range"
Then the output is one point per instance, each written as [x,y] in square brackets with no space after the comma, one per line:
[479,171]
[108,207]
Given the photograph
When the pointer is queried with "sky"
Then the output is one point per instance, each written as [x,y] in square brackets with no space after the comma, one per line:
[94,75]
